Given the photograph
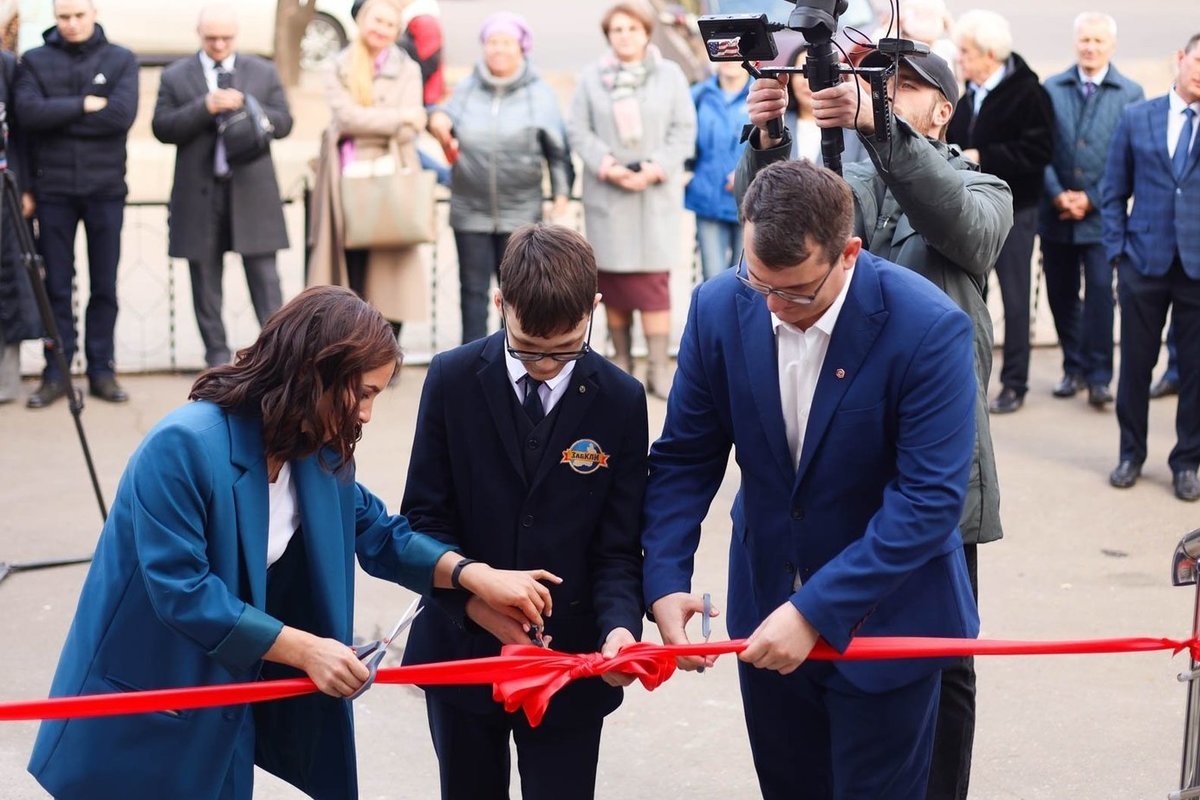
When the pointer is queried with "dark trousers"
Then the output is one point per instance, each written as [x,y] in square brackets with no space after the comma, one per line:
[356,279]
[815,736]
[1172,372]
[1144,303]
[1085,328]
[58,219]
[479,257]
[1014,273]
[954,738]
[207,296]
[473,755]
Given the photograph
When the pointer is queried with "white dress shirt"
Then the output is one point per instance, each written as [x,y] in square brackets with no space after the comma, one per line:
[1176,118]
[982,90]
[1096,79]
[801,354]
[283,514]
[550,391]
[210,68]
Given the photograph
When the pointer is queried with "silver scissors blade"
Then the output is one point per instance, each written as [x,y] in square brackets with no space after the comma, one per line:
[705,625]
[409,615]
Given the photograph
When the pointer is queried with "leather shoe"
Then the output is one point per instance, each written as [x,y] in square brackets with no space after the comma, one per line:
[1098,395]
[1125,475]
[106,388]
[1187,485]
[1164,388]
[1006,402]
[1068,386]
[49,392]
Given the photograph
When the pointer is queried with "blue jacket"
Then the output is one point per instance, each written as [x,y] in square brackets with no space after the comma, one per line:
[869,521]
[1164,216]
[1082,133]
[73,153]
[719,121]
[175,597]
[468,485]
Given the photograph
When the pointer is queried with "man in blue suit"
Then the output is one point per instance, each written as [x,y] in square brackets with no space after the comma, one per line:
[846,384]
[1155,248]
[531,450]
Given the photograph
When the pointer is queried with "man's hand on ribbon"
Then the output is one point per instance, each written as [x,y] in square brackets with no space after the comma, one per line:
[506,629]
[781,642]
[672,613]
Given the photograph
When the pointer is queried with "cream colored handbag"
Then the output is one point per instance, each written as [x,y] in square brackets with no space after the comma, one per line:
[387,203]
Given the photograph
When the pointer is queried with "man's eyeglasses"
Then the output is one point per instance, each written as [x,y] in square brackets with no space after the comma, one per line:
[561,356]
[795,298]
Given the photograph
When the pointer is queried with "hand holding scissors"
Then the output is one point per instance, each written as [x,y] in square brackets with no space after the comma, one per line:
[372,653]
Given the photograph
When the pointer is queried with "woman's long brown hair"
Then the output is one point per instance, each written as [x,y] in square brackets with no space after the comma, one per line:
[303,375]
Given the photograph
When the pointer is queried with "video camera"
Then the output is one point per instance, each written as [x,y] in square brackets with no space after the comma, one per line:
[748,38]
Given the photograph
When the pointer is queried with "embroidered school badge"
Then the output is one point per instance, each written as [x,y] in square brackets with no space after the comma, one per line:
[585,457]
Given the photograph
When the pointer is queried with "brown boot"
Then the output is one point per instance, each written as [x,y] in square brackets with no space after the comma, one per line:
[622,348]
[658,369]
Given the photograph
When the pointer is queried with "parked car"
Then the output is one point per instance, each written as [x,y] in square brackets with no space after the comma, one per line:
[160,31]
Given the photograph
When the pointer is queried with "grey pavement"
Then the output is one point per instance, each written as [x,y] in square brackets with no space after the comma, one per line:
[1079,560]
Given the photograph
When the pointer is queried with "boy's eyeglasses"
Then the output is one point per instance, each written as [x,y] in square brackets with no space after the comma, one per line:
[561,356]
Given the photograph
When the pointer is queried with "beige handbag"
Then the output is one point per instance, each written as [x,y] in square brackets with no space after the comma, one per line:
[387,203]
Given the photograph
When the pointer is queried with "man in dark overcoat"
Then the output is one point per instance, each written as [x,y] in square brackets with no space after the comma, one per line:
[218,206]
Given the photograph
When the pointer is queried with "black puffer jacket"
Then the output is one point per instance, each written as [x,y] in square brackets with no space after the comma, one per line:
[1014,132]
[73,153]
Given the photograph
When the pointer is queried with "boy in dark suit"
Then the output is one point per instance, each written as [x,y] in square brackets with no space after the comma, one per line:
[530,452]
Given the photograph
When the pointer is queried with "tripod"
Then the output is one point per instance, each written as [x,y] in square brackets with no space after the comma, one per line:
[10,209]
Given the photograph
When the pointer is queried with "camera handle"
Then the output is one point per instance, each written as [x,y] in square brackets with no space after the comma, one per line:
[832,143]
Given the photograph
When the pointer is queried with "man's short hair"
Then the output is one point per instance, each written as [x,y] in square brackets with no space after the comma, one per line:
[1191,43]
[1096,17]
[791,202]
[548,278]
[987,30]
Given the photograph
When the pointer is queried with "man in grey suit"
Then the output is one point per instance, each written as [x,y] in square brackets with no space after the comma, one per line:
[217,206]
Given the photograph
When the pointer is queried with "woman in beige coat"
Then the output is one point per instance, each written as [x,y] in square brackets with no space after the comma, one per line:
[374,93]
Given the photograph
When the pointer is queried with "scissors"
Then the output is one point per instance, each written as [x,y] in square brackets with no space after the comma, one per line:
[535,636]
[372,653]
[705,625]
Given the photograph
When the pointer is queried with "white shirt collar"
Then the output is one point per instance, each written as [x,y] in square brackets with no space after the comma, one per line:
[994,80]
[208,64]
[1097,79]
[1178,105]
[826,322]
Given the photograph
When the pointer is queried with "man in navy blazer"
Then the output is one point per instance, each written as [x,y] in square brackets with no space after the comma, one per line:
[530,452]
[846,384]
[1155,248]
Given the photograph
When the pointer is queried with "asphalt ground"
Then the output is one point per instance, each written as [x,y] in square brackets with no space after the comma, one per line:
[1079,560]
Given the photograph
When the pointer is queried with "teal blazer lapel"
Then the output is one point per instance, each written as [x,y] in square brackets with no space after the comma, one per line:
[251,502]
[762,367]
[858,325]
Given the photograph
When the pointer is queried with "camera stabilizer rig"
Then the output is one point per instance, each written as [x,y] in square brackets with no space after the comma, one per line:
[748,38]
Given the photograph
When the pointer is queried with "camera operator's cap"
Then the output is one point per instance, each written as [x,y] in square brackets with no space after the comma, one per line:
[932,68]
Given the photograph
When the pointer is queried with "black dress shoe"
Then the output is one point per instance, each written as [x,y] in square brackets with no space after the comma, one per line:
[49,392]
[1125,475]
[1164,388]
[1098,395]
[1068,386]
[1187,485]
[1006,402]
[106,388]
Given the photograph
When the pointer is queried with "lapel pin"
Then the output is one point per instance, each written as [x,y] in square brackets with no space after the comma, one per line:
[840,373]
[583,389]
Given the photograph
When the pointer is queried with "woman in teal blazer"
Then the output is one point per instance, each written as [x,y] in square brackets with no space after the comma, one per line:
[180,592]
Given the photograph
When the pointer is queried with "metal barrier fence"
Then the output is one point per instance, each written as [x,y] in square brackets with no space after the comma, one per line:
[156,327]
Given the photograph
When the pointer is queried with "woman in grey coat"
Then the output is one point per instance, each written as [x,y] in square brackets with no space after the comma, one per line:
[633,124]
[500,126]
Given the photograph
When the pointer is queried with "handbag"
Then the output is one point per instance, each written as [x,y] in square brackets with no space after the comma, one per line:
[387,203]
[247,133]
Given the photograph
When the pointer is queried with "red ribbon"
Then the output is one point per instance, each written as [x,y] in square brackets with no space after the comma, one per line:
[525,677]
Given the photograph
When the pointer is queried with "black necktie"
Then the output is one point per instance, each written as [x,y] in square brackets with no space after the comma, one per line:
[533,400]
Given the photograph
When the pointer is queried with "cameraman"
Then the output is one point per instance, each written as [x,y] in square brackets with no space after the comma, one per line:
[18,307]
[920,204]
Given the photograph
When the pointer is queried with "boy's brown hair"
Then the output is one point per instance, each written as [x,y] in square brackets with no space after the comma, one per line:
[548,278]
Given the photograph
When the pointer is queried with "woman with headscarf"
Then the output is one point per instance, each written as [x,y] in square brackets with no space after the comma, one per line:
[633,123]
[503,122]
[375,96]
